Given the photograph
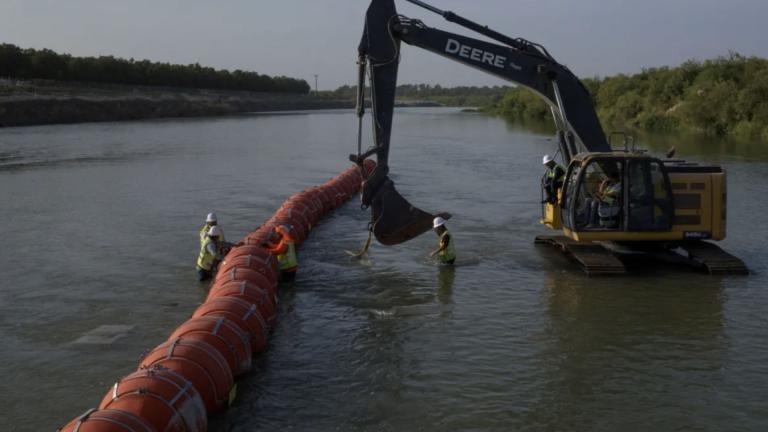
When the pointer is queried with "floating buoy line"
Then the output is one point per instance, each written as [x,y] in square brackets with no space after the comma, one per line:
[192,374]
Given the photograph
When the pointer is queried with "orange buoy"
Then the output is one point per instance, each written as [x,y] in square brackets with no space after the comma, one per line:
[253,262]
[240,312]
[174,404]
[326,203]
[215,341]
[250,292]
[107,421]
[198,362]
[150,407]
[255,273]
[237,340]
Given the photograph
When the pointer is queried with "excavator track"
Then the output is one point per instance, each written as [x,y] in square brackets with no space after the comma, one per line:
[593,258]
[715,260]
[596,259]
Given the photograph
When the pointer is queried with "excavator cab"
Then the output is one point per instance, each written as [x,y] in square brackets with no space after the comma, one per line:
[610,196]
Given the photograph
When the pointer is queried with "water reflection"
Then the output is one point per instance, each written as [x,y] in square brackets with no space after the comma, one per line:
[620,348]
[445,278]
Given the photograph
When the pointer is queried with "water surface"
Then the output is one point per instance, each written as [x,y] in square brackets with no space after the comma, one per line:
[101,229]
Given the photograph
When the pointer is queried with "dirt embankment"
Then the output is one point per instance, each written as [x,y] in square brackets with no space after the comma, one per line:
[24,103]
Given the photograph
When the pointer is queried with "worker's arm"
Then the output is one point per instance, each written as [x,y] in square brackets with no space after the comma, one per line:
[213,250]
[279,248]
[442,246]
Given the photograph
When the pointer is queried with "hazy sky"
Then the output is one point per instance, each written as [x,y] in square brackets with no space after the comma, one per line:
[301,38]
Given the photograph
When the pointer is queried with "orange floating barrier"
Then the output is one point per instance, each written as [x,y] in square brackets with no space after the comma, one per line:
[199,363]
[245,315]
[192,373]
[237,340]
[107,421]
[181,408]
[250,292]
[255,273]
[267,269]
[215,341]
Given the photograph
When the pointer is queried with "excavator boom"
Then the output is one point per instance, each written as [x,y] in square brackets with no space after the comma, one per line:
[394,219]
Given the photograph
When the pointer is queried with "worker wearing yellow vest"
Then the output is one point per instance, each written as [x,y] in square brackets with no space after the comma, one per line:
[285,250]
[553,178]
[211,253]
[446,252]
[210,221]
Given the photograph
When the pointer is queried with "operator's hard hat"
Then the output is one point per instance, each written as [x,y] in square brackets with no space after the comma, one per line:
[547,159]
[438,222]
[215,231]
[211,217]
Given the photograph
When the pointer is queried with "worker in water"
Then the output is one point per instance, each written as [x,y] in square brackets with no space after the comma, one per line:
[210,221]
[553,178]
[285,250]
[211,253]
[446,253]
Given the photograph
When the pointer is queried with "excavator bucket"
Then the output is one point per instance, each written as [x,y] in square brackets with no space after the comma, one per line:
[394,219]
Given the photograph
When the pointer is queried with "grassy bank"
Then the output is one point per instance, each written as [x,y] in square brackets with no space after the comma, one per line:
[727,96]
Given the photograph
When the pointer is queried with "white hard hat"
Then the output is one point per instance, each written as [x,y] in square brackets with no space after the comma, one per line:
[438,222]
[547,159]
[215,231]
[211,217]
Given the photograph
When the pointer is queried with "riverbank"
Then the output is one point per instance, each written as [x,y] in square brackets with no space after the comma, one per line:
[38,102]
[26,103]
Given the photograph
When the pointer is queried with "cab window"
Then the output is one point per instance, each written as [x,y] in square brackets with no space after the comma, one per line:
[650,203]
[599,201]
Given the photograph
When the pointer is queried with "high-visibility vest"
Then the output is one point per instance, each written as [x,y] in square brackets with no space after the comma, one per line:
[556,172]
[287,260]
[206,259]
[449,253]
[204,233]
[610,206]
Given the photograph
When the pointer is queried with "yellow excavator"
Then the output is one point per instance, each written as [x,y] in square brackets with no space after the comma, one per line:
[667,208]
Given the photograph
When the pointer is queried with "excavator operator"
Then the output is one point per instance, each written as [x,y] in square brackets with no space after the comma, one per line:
[605,208]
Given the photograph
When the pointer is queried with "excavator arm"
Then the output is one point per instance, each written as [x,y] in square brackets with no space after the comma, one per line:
[394,220]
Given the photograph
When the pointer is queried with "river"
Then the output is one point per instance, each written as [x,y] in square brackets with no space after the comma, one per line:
[101,226]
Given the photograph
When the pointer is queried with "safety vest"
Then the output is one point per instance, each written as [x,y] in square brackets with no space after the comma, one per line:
[204,233]
[206,259]
[449,253]
[556,173]
[610,206]
[288,259]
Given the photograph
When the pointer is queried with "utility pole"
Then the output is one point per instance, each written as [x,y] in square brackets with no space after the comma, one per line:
[315,83]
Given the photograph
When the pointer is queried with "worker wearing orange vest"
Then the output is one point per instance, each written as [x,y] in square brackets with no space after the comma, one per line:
[285,250]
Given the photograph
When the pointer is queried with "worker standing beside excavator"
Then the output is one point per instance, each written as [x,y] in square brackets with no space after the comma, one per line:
[553,178]
[446,252]
[285,250]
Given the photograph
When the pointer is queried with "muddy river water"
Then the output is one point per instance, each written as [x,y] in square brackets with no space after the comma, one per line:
[100,234]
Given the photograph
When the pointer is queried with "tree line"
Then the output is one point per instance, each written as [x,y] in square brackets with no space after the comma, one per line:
[726,96]
[449,96]
[31,63]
